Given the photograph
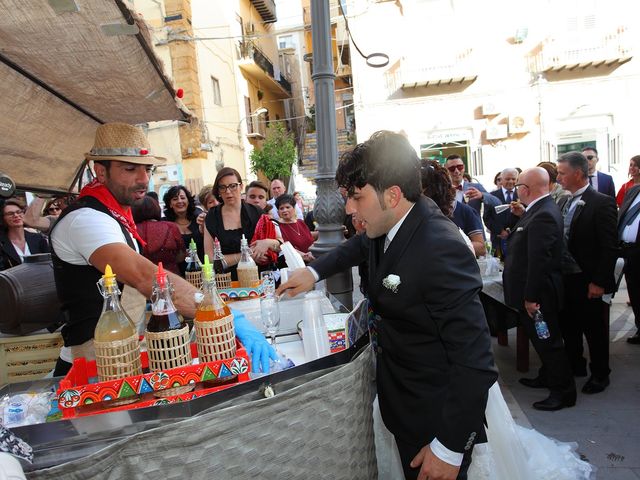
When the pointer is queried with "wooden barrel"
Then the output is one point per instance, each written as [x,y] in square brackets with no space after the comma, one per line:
[28,296]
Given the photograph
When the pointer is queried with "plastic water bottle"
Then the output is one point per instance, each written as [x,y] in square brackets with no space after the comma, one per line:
[541,326]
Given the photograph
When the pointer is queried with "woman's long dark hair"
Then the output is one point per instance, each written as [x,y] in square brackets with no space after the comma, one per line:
[174,192]
[436,184]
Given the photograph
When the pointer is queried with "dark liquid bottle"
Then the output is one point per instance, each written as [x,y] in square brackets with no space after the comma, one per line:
[167,334]
[163,322]
[193,262]
[218,258]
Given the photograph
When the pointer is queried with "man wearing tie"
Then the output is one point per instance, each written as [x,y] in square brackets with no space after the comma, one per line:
[500,224]
[588,262]
[533,283]
[601,182]
[470,193]
[628,222]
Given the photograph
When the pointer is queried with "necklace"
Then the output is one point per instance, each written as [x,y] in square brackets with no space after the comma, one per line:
[296,230]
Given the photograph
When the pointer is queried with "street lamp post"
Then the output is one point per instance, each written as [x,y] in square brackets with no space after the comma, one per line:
[328,210]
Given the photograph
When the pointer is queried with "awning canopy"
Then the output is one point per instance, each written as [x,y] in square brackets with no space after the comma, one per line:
[67,66]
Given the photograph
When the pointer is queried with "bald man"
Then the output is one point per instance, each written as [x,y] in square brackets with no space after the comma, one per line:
[533,282]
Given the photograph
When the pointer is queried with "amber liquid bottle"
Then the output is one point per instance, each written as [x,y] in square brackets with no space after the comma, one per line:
[215,333]
[115,338]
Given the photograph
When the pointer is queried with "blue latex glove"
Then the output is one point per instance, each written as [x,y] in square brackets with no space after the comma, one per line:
[254,342]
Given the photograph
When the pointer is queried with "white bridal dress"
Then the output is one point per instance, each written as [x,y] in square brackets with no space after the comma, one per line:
[512,452]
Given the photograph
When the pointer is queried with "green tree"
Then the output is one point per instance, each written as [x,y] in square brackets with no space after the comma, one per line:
[277,154]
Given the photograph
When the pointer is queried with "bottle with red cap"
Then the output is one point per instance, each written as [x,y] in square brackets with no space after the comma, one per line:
[167,333]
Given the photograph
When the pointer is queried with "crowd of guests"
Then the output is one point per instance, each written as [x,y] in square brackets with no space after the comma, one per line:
[559,228]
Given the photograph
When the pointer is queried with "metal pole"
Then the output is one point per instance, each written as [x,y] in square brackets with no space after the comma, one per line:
[328,210]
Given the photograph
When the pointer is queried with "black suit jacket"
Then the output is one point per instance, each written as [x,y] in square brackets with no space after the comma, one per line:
[8,255]
[533,268]
[434,362]
[496,222]
[629,197]
[593,237]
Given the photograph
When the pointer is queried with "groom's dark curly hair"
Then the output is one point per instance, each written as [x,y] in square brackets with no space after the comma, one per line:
[385,160]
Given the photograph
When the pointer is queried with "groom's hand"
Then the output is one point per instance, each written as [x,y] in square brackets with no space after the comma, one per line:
[431,467]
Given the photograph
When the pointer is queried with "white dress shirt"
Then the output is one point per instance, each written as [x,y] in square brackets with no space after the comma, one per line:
[630,232]
[594,180]
[534,202]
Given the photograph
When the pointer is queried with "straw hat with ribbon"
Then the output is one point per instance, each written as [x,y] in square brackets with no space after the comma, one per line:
[124,143]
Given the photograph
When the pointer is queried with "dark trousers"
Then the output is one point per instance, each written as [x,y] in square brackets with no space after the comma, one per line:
[632,276]
[61,368]
[588,317]
[555,369]
[408,452]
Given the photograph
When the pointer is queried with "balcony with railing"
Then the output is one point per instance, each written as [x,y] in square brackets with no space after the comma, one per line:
[266,9]
[582,51]
[256,64]
[410,73]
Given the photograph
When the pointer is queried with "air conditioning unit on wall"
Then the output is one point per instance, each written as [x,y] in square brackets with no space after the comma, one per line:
[490,108]
[497,132]
[518,124]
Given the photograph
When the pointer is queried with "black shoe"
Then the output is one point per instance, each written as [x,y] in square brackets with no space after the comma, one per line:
[634,339]
[556,401]
[534,382]
[595,384]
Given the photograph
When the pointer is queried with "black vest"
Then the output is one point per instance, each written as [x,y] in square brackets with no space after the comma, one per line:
[76,284]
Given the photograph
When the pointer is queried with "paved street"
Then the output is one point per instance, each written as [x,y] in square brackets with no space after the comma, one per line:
[607,425]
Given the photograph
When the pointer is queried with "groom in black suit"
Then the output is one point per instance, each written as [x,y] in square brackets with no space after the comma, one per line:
[591,250]
[533,282]
[434,361]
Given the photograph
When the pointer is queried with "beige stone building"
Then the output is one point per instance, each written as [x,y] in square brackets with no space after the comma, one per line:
[501,83]
[224,55]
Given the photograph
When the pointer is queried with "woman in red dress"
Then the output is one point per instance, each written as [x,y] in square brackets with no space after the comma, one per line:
[164,241]
[634,173]
[294,230]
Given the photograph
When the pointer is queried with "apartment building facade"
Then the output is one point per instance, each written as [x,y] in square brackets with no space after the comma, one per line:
[224,55]
[501,83]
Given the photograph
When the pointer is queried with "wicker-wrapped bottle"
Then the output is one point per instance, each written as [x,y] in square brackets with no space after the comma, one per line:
[115,338]
[222,277]
[193,270]
[167,333]
[247,268]
[215,334]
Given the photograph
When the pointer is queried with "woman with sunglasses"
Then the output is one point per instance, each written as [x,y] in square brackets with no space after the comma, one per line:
[180,208]
[233,218]
[42,214]
[15,242]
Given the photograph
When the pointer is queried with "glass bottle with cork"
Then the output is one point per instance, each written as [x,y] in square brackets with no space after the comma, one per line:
[167,333]
[215,333]
[247,268]
[193,270]
[115,339]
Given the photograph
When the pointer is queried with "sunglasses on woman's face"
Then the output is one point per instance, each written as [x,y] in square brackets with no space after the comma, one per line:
[54,209]
[453,168]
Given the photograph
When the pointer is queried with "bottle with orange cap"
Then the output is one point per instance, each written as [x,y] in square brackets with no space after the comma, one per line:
[115,338]
[215,333]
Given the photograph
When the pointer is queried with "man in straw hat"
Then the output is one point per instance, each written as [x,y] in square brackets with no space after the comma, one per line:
[99,229]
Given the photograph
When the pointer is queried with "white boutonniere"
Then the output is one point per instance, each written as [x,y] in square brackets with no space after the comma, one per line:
[391,282]
[580,203]
[519,229]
